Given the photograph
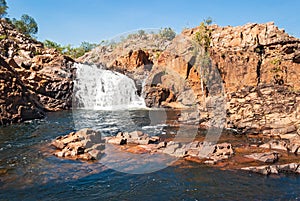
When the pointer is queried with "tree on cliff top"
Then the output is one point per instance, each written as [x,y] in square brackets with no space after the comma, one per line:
[3,8]
[203,38]
[26,25]
[203,35]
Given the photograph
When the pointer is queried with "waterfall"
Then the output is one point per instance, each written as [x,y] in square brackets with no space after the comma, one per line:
[99,89]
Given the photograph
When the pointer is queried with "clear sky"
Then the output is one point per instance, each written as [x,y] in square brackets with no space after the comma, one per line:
[74,21]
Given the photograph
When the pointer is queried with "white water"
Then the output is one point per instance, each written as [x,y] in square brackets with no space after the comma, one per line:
[98,89]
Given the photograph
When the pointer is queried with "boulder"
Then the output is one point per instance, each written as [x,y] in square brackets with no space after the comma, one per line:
[85,144]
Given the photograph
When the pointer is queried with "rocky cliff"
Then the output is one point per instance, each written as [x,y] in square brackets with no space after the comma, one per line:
[33,79]
[249,55]
[255,68]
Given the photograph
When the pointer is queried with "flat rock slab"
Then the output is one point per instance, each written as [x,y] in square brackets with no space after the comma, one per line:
[268,157]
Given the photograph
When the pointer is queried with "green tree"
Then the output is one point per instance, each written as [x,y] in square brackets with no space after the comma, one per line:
[203,35]
[203,38]
[26,25]
[73,52]
[52,44]
[167,33]
[88,46]
[3,8]
[141,33]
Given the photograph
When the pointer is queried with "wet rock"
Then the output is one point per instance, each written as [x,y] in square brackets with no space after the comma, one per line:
[199,150]
[95,154]
[58,144]
[161,145]
[268,157]
[193,152]
[85,144]
[179,152]
[135,137]
[221,151]
[136,134]
[275,169]
[171,147]
[275,144]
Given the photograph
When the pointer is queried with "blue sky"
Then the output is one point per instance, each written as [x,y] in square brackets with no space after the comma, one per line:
[74,21]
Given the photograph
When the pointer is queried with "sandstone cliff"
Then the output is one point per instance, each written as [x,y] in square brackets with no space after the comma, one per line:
[259,68]
[33,79]
[250,55]
[254,67]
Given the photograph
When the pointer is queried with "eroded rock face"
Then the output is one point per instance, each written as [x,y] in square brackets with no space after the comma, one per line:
[53,84]
[268,109]
[16,102]
[34,79]
[255,53]
[245,56]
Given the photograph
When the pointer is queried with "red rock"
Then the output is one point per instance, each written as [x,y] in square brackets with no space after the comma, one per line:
[58,144]
[137,150]
[117,141]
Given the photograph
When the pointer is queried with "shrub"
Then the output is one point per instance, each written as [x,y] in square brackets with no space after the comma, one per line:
[167,33]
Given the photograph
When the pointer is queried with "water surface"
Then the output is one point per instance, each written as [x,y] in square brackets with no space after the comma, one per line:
[28,170]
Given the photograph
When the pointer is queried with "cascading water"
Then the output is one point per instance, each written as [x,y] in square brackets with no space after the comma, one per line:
[99,89]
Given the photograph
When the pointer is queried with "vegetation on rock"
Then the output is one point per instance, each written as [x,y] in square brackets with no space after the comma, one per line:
[68,50]
[3,8]
[167,33]
[203,35]
[26,25]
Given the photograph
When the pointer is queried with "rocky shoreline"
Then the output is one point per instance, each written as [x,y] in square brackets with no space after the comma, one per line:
[87,144]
